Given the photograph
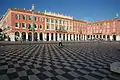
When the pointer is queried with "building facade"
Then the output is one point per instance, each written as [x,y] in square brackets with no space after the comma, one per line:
[18,24]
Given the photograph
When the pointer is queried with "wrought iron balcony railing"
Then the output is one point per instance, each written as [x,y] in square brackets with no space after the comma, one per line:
[62,31]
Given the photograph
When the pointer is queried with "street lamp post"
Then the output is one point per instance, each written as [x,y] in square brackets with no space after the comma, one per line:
[33,8]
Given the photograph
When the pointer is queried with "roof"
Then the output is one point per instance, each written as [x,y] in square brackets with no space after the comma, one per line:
[79,20]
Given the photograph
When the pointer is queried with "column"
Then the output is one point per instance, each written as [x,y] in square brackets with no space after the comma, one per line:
[98,36]
[38,36]
[117,38]
[75,37]
[72,36]
[78,37]
[44,36]
[95,36]
[50,25]
[105,37]
[26,36]
[111,37]
[82,37]
[102,36]
[85,37]
[58,35]
[20,37]
[68,37]
[12,37]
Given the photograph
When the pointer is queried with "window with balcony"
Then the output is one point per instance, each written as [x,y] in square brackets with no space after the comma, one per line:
[40,26]
[56,28]
[48,27]
[47,20]
[24,17]
[17,24]
[56,21]
[41,19]
[63,22]
[52,27]
[35,26]
[17,16]
[35,18]
[29,17]
[60,28]
[52,21]
[60,21]
[23,25]
[30,26]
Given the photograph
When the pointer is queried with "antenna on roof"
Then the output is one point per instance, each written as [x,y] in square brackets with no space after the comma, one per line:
[117,16]
[33,7]
[45,11]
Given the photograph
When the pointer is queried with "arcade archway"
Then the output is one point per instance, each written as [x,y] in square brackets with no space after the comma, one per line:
[47,36]
[30,36]
[63,36]
[35,36]
[114,37]
[17,35]
[51,36]
[23,36]
[41,36]
[56,36]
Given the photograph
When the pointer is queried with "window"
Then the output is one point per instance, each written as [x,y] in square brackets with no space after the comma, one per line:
[30,26]
[63,22]
[35,26]
[23,25]
[16,24]
[29,17]
[60,28]
[60,21]
[52,27]
[52,21]
[47,26]
[47,20]
[35,18]
[41,19]
[16,16]
[24,17]
[40,26]
[56,28]
[56,21]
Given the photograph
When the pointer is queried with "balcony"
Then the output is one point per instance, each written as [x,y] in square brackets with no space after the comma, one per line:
[61,31]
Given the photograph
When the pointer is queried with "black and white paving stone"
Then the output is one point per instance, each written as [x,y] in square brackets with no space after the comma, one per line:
[73,61]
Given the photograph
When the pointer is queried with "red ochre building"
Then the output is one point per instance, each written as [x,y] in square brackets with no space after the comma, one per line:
[48,26]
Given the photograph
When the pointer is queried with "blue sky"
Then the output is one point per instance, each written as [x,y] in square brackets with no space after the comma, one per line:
[89,10]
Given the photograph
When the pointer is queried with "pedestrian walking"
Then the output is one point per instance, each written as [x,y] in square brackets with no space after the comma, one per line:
[60,42]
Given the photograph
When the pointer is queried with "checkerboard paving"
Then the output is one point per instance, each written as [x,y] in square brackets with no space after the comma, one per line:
[74,61]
